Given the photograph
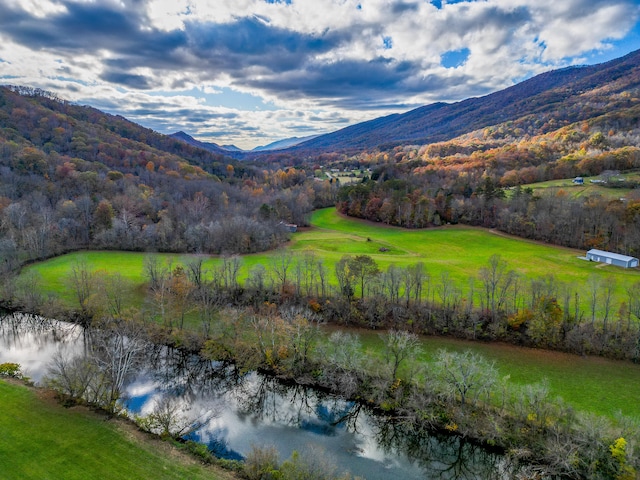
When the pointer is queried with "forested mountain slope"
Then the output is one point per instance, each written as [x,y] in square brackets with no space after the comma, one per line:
[37,119]
[562,97]
[74,177]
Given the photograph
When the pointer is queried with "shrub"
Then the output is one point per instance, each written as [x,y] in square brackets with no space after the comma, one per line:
[10,370]
[261,463]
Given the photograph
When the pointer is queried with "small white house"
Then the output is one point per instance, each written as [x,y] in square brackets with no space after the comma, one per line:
[578,181]
[610,258]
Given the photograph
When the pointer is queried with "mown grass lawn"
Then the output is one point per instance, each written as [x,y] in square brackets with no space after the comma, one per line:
[461,252]
[42,440]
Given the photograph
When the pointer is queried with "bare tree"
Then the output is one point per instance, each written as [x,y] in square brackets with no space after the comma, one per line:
[496,280]
[117,348]
[399,346]
[414,276]
[80,280]
[152,270]
[229,270]
[195,270]
[344,350]
[595,286]
[607,295]
[633,293]
[257,278]
[72,376]
[280,263]
[112,291]
[172,418]
[391,280]
[303,333]
[345,277]
[466,375]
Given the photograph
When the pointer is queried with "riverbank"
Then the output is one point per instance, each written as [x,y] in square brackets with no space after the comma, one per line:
[43,439]
[458,393]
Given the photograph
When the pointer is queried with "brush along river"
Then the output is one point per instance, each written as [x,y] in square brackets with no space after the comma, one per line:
[238,410]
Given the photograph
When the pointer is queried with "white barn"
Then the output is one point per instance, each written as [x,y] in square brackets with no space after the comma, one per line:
[610,258]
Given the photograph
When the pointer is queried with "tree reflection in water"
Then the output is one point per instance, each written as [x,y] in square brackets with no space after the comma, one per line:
[242,409]
[445,457]
[21,330]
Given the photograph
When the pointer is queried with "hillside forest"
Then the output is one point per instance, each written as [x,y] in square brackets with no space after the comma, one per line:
[481,179]
[74,177]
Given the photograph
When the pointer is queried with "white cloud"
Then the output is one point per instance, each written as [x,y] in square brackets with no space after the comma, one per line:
[39,8]
[320,64]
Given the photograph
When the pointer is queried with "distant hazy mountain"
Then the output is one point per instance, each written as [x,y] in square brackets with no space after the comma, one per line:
[566,95]
[231,148]
[286,143]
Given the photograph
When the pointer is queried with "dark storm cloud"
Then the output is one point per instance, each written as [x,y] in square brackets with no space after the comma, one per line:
[252,52]
[83,27]
[503,21]
[346,77]
[248,43]
[357,84]
[206,49]
[139,82]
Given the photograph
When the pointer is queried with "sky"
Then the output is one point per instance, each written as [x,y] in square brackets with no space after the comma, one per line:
[250,72]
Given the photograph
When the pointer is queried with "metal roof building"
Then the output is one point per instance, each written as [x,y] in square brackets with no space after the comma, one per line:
[610,258]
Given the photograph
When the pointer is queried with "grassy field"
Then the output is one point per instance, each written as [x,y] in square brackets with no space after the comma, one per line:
[457,250]
[592,384]
[32,445]
[587,189]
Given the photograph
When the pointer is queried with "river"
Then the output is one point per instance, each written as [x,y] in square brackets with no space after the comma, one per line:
[238,410]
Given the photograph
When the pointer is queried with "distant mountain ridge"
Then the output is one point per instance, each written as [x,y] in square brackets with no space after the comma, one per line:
[232,149]
[538,105]
[555,94]
[209,146]
[35,124]
[286,143]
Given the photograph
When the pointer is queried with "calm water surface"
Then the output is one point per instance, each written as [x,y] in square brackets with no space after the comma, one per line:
[237,411]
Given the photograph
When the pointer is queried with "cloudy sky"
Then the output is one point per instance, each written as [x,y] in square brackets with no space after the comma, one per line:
[248,72]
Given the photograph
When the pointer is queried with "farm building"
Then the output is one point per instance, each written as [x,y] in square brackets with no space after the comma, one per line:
[291,227]
[610,258]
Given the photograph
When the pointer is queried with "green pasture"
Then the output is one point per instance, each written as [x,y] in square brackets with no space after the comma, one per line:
[457,251]
[43,440]
[594,384]
[587,189]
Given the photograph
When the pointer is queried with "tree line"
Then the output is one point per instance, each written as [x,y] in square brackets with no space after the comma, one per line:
[494,303]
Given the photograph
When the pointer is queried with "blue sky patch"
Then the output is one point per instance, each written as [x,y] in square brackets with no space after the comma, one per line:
[454,58]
